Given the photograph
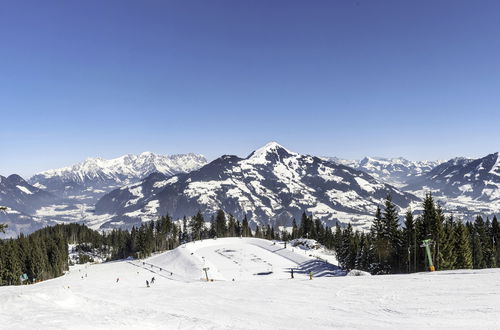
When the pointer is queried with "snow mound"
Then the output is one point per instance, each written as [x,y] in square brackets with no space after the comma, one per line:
[356,272]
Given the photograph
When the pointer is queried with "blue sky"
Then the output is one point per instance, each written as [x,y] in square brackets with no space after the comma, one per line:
[418,79]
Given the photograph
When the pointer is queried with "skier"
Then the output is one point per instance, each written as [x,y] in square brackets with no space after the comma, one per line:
[291,272]
[117,279]
[310,275]
[152,280]
[147,283]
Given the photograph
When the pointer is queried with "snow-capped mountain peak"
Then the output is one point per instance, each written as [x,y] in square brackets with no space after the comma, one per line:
[271,151]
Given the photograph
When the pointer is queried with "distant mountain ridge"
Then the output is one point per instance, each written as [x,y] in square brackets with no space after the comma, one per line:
[90,179]
[395,171]
[18,194]
[477,179]
[21,200]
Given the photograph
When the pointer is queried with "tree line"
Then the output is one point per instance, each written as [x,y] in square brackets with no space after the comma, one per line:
[388,247]
[41,255]
[393,248]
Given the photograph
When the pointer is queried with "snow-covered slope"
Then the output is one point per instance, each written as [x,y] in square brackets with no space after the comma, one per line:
[394,171]
[271,185]
[90,297]
[90,179]
[239,259]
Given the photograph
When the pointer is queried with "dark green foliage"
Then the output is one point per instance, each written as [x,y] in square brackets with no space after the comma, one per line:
[2,226]
[390,248]
[463,250]
[197,224]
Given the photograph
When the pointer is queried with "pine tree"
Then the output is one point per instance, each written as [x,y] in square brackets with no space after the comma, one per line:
[295,230]
[212,232]
[495,236]
[196,225]
[439,236]
[463,251]
[231,228]
[245,229]
[478,243]
[410,242]
[377,230]
[447,254]
[391,235]
[220,224]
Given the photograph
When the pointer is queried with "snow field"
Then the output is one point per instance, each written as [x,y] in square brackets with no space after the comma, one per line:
[89,297]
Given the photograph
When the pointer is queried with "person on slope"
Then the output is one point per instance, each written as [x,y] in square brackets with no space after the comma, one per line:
[147,283]
[117,279]
[152,280]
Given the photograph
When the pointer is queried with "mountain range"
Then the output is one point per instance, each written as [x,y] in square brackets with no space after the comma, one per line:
[395,171]
[271,185]
[90,179]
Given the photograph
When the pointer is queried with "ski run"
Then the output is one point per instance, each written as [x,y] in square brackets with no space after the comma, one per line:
[250,287]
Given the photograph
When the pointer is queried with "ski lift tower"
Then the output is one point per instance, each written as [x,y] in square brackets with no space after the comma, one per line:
[426,243]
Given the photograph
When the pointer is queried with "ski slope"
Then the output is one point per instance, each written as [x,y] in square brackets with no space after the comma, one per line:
[230,259]
[89,296]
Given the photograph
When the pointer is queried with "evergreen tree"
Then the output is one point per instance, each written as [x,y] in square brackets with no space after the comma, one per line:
[377,231]
[495,237]
[295,230]
[245,229]
[410,242]
[220,224]
[212,232]
[478,243]
[447,253]
[463,251]
[391,235]
[231,227]
[196,225]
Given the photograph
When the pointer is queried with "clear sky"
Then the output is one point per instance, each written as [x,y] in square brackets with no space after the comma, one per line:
[418,79]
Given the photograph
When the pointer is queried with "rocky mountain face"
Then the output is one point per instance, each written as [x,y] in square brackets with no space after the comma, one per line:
[89,180]
[394,171]
[271,185]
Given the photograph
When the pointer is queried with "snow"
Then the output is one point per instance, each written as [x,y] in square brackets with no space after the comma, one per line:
[125,169]
[259,156]
[365,185]
[24,190]
[460,299]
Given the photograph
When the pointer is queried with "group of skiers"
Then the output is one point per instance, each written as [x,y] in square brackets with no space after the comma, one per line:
[147,282]
[152,281]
